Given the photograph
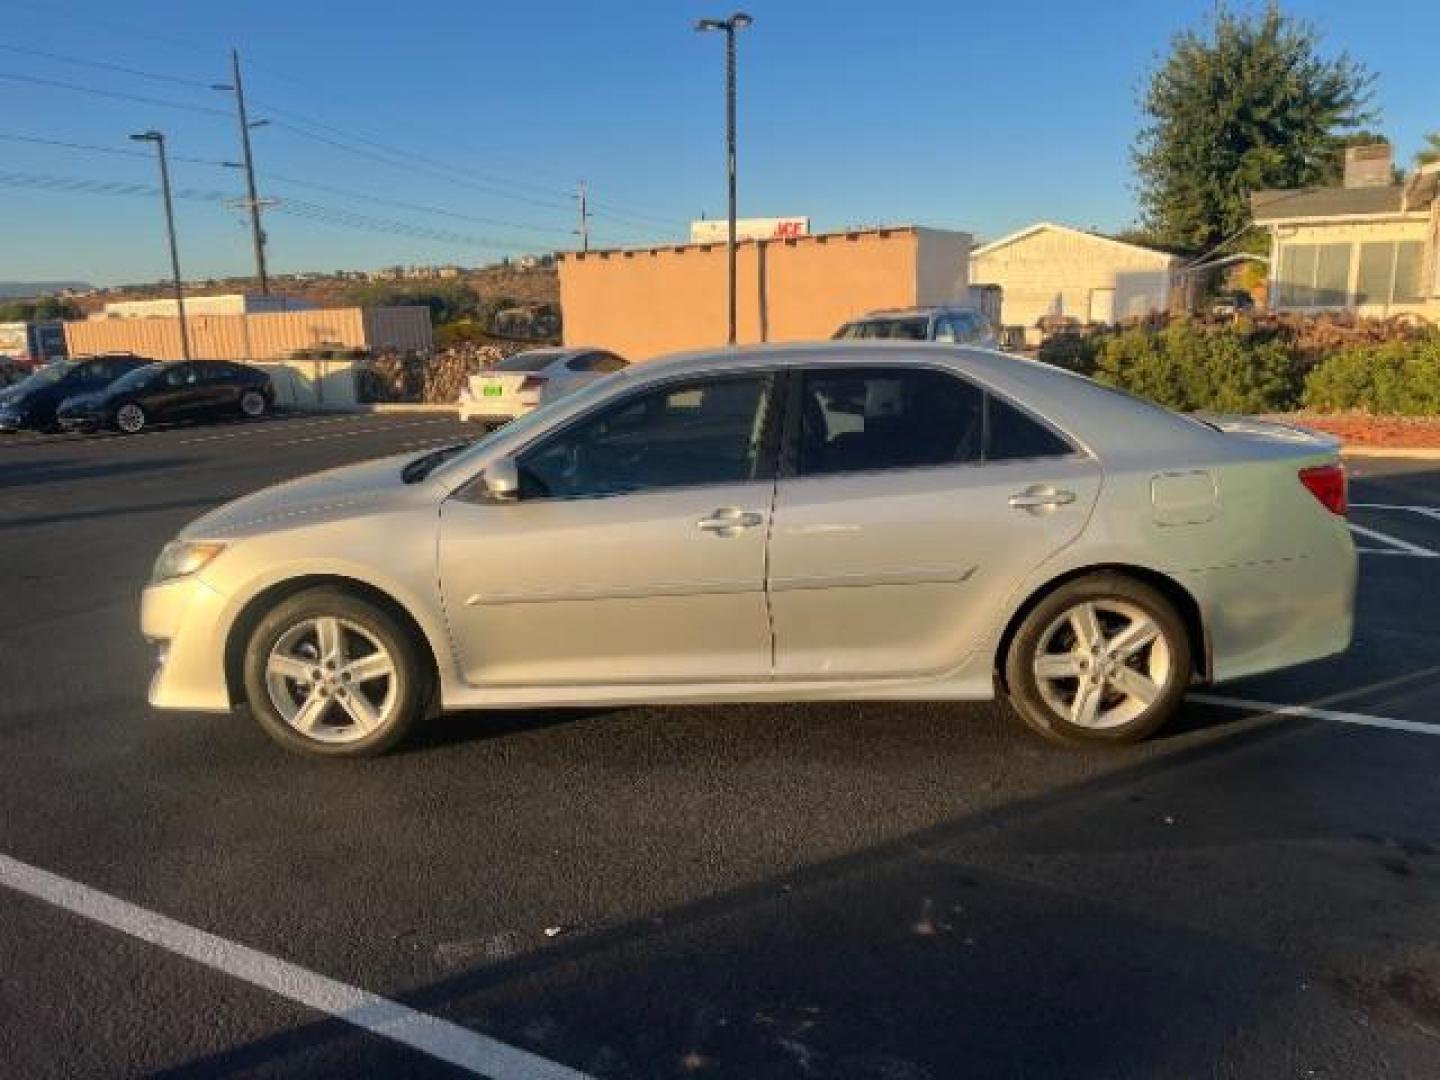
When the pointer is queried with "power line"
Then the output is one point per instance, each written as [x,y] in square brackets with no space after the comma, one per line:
[495,185]
[421,208]
[296,182]
[95,148]
[118,95]
[103,65]
[312,211]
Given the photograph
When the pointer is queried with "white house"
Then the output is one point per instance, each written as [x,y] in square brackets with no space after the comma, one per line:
[1056,271]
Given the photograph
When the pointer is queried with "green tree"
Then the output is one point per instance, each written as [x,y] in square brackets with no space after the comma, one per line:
[45,309]
[1431,153]
[447,300]
[1244,103]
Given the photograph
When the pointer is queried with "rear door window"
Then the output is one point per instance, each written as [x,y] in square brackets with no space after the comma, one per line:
[861,419]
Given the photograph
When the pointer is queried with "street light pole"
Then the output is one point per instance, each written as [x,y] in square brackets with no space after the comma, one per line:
[737,21]
[158,138]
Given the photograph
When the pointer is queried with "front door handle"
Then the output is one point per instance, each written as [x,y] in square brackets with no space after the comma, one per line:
[1040,498]
[729,521]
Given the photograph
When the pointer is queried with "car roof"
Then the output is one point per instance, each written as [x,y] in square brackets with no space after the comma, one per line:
[921,309]
[1113,424]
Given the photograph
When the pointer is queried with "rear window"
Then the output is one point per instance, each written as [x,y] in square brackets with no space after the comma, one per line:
[527,361]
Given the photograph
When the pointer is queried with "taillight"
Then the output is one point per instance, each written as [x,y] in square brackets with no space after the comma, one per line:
[1327,483]
[530,382]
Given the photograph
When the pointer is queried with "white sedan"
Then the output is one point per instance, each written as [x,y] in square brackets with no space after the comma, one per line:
[857,520]
[521,383]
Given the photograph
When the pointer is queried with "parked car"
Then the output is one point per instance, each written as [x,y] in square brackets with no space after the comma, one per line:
[822,522]
[1231,304]
[33,402]
[520,383]
[951,325]
[178,390]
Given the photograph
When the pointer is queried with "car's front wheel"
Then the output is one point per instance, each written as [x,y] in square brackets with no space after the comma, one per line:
[130,418]
[331,674]
[1102,659]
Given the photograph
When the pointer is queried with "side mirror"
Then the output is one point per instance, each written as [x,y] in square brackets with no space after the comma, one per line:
[502,480]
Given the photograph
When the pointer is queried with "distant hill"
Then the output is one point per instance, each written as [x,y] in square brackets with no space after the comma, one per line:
[24,290]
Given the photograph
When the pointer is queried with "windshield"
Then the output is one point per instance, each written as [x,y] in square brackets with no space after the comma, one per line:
[534,360]
[137,378]
[46,376]
[913,328]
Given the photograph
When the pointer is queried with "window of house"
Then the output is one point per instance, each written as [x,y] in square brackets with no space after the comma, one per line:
[1314,275]
[705,431]
[1390,272]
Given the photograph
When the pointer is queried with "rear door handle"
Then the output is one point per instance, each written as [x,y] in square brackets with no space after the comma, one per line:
[729,521]
[1040,498]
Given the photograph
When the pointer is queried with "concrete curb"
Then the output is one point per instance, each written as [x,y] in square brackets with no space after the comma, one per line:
[1412,453]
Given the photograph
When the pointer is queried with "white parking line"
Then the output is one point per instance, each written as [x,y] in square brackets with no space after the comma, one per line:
[252,429]
[1400,547]
[363,431]
[428,1034]
[1310,713]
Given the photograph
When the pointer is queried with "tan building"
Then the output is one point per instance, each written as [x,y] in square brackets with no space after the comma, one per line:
[1054,271]
[645,302]
[1371,249]
[270,336]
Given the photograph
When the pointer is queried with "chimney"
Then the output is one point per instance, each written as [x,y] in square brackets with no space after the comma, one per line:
[1368,166]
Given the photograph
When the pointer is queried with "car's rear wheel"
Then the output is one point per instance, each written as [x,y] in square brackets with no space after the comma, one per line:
[331,674]
[1102,659]
[130,418]
[252,404]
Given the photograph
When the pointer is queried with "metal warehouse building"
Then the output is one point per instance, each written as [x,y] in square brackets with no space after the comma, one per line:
[648,301]
[256,337]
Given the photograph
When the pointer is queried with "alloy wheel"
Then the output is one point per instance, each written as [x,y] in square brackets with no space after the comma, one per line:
[252,404]
[130,418]
[331,680]
[1102,663]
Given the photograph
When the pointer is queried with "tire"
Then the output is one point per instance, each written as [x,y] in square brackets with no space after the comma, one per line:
[130,418]
[252,404]
[333,715]
[1120,694]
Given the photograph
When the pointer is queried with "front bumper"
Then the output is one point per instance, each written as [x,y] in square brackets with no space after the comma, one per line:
[186,620]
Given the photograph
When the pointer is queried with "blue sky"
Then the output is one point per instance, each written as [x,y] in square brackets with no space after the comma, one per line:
[982,117]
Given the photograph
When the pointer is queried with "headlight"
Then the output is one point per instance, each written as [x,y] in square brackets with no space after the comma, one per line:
[181,557]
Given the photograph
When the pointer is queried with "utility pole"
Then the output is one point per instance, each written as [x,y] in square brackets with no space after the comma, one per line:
[584,230]
[252,200]
[158,138]
[738,21]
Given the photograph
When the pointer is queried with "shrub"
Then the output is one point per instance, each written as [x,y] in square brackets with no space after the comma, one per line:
[1187,367]
[1398,377]
[1072,352]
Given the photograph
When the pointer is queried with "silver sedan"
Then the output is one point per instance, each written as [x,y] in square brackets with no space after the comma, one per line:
[842,521]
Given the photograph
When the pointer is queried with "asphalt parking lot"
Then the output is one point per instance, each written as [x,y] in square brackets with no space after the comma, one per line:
[876,891]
